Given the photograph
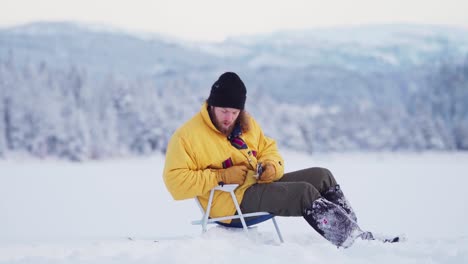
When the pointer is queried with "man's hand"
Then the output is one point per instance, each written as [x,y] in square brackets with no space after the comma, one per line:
[234,174]
[268,174]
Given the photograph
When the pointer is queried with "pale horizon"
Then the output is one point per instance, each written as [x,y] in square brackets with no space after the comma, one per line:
[212,20]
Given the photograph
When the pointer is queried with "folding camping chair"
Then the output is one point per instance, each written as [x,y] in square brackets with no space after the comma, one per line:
[252,218]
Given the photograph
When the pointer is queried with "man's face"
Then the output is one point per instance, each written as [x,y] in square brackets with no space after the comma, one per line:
[225,118]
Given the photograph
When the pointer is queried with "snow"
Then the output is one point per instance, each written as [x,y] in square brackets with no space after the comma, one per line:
[58,212]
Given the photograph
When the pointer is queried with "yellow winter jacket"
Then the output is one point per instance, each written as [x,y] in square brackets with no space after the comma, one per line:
[197,149]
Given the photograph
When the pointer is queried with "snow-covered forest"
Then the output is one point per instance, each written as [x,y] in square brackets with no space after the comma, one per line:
[79,93]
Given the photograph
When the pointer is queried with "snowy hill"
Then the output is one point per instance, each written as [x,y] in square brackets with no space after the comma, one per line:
[59,212]
[100,51]
[83,92]
[279,59]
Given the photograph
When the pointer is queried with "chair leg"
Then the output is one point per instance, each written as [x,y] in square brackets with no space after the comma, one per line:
[244,225]
[277,230]
[207,212]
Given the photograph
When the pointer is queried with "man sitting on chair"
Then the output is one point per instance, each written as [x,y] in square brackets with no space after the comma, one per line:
[222,144]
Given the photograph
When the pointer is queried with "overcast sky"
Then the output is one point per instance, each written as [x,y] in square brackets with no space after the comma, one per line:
[213,20]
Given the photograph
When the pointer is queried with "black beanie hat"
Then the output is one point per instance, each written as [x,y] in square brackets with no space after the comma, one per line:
[228,91]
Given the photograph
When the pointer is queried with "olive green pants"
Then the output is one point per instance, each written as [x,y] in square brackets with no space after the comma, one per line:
[290,195]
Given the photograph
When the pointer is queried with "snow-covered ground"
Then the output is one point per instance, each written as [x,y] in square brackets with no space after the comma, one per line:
[57,212]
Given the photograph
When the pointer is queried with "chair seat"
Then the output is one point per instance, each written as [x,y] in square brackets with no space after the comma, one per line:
[248,221]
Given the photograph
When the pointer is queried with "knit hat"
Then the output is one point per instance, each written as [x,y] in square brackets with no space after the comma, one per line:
[228,91]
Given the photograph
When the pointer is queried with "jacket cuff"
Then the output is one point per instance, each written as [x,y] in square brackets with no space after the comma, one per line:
[277,165]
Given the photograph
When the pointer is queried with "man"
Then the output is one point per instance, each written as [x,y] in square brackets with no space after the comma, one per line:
[222,144]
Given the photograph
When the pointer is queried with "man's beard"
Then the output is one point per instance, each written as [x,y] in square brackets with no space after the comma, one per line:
[226,131]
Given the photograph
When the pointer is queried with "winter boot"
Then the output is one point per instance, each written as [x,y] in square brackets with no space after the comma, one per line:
[332,222]
[336,196]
